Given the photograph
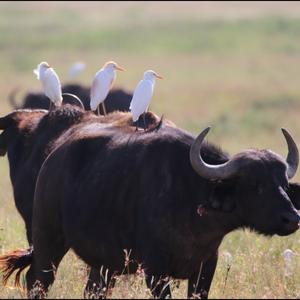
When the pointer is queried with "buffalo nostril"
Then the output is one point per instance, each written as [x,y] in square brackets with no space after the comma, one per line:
[291,220]
[285,220]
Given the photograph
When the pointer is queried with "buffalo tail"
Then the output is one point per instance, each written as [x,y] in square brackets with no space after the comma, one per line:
[17,260]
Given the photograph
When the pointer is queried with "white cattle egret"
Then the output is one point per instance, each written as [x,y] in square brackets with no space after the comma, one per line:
[142,95]
[76,69]
[50,83]
[102,83]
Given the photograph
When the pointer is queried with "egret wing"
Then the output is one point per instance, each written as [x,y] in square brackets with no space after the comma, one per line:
[52,86]
[141,98]
[96,85]
[100,88]
[37,73]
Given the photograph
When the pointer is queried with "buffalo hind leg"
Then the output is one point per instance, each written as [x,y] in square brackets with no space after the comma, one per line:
[28,234]
[41,274]
[159,286]
[100,283]
[199,286]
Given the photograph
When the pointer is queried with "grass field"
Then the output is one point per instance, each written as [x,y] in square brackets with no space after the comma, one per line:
[235,66]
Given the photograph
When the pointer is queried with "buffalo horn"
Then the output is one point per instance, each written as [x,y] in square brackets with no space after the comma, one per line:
[208,171]
[293,154]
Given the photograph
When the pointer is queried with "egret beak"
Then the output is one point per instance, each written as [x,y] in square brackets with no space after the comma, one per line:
[120,68]
[158,76]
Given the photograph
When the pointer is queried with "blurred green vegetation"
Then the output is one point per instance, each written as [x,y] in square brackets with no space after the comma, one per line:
[237,72]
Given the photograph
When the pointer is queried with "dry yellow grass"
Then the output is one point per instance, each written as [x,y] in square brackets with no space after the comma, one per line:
[235,66]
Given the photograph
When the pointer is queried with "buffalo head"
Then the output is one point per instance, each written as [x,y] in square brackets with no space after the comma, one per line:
[22,120]
[256,185]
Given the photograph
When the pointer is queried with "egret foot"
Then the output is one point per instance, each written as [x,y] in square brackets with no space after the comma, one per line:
[136,123]
[104,108]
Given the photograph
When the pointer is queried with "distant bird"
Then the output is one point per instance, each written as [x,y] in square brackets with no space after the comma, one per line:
[50,83]
[77,68]
[102,83]
[142,96]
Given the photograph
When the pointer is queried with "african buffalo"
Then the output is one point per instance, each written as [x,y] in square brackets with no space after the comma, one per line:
[107,189]
[30,135]
[117,99]
[27,139]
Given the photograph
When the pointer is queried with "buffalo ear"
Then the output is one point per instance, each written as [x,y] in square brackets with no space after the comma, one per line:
[8,120]
[222,197]
[294,194]
[3,143]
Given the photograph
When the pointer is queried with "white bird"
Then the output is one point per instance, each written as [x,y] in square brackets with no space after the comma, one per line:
[77,68]
[142,95]
[102,83]
[50,83]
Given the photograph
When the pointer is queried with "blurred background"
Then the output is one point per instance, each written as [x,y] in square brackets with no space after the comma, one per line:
[232,65]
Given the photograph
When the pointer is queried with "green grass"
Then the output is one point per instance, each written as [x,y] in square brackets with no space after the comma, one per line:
[236,71]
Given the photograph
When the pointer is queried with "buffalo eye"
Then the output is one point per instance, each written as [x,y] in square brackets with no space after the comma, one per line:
[256,187]
[228,205]
[260,189]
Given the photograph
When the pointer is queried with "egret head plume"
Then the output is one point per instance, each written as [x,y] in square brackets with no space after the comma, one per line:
[113,65]
[41,66]
[150,74]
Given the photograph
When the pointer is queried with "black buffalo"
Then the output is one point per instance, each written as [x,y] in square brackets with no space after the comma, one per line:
[110,189]
[30,135]
[28,138]
[117,99]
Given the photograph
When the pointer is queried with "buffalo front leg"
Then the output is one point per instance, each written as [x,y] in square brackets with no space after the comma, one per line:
[159,286]
[99,285]
[199,284]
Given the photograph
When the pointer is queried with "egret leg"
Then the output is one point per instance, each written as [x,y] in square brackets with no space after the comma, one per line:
[104,109]
[144,119]
[136,123]
[98,110]
[50,105]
